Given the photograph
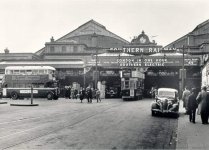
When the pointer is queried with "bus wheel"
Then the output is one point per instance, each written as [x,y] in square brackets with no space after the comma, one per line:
[14,95]
[49,96]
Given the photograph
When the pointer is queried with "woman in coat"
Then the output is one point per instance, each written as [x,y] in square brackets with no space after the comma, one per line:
[203,101]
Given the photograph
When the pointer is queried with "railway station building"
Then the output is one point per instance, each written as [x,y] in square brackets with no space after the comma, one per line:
[92,53]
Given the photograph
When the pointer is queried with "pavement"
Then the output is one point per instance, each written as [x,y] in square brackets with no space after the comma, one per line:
[190,135]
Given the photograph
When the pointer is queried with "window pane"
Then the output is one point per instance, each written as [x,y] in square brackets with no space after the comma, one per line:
[16,71]
[75,48]
[22,71]
[63,49]
[35,72]
[41,71]
[29,72]
[52,49]
[126,84]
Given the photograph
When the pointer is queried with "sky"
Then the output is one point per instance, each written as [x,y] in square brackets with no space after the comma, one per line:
[26,25]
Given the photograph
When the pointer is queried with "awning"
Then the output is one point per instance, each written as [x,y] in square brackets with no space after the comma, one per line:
[114,54]
[169,54]
[55,64]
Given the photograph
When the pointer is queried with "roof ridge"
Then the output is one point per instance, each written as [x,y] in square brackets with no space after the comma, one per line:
[201,24]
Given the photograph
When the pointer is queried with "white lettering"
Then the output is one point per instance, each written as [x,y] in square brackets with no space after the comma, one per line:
[141,50]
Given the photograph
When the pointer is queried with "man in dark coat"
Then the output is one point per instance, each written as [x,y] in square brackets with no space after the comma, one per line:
[203,101]
[69,91]
[89,94]
[82,94]
[192,105]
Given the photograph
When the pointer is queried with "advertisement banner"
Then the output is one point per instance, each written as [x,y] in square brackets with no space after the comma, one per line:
[147,61]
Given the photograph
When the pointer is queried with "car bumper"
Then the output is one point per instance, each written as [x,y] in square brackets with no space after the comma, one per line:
[164,111]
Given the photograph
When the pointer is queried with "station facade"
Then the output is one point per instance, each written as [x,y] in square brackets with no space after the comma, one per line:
[92,52]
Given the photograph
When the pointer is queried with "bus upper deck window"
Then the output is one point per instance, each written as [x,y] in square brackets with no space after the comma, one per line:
[22,72]
[29,72]
[16,72]
[50,71]
[126,84]
[35,72]
[9,71]
[132,84]
[41,71]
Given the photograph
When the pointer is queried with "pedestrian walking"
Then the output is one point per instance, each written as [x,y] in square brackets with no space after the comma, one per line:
[192,105]
[152,92]
[75,93]
[185,97]
[69,92]
[89,94]
[203,101]
[66,92]
[98,95]
[93,93]
[82,94]
[72,93]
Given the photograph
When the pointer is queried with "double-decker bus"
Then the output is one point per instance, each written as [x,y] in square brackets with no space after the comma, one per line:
[131,87]
[21,81]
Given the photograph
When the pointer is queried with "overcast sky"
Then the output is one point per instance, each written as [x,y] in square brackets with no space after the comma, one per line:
[25,25]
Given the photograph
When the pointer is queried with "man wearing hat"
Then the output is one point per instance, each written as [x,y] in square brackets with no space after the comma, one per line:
[192,105]
[203,101]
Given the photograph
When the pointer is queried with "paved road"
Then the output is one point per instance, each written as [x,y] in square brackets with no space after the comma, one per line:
[69,124]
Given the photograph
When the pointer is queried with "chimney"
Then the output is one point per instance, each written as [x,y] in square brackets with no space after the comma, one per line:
[52,39]
[6,51]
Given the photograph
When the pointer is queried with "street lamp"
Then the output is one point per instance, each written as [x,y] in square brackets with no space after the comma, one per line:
[84,77]
[96,74]
[95,45]
[182,73]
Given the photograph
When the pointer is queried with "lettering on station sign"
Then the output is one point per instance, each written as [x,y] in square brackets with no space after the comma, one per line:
[135,61]
[149,62]
[141,50]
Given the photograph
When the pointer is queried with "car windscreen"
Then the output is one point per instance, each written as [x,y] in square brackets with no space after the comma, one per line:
[166,94]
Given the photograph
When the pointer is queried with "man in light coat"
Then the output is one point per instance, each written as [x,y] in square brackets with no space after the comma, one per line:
[185,97]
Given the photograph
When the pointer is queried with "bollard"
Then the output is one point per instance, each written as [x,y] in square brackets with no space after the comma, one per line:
[31,94]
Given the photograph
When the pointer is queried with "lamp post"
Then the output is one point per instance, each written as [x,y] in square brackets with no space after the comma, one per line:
[84,77]
[182,73]
[31,94]
[96,73]
[95,45]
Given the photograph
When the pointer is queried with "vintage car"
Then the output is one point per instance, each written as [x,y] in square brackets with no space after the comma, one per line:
[166,102]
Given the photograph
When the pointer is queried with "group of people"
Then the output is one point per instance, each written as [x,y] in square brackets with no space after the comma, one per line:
[88,93]
[71,92]
[192,100]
